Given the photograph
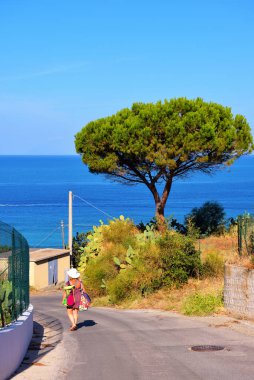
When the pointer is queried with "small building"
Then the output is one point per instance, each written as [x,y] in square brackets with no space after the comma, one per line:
[48,266]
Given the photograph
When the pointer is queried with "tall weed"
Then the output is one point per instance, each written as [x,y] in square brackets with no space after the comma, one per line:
[213,265]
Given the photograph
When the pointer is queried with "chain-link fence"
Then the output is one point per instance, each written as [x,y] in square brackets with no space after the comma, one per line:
[14,274]
[245,224]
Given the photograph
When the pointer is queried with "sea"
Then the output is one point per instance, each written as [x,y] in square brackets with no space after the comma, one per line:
[34,194]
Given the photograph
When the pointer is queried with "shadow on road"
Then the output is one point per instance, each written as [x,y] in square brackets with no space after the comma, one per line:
[86,323]
[47,333]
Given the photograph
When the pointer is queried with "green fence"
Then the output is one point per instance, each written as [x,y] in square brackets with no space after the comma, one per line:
[14,274]
[245,224]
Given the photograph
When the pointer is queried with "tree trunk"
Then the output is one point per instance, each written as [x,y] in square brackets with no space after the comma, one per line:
[159,215]
[160,203]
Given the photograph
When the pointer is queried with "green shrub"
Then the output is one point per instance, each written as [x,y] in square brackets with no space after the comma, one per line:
[179,259]
[119,231]
[142,277]
[79,241]
[209,218]
[122,286]
[92,249]
[202,304]
[213,265]
[111,266]
[5,302]
[98,270]
[148,266]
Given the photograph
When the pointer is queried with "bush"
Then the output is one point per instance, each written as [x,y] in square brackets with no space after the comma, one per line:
[170,260]
[98,270]
[5,302]
[202,304]
[209,218]
[93,248]
[142,277]
[179,259]
[79,241]
[119,231]
[122,286]
[213,265]
[121,262]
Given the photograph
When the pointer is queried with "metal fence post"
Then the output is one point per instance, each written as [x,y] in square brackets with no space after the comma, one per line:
[239,234]
[13,273]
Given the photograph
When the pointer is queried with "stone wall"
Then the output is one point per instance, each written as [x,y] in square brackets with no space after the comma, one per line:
[239,290]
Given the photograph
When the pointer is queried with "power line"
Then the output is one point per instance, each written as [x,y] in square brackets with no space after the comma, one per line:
[90,204]
[66,225]
[50,234]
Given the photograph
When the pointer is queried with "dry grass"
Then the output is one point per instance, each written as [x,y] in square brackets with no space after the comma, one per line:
[101,301]
[226,246]
[173,299]
[242,261]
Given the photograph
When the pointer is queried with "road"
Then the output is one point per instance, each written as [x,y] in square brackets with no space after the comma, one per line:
[137,344]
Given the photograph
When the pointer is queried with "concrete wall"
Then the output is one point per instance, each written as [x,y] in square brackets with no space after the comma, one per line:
[41,274]
[239,290]
[14,341]
[39,271]
[31,273]
[63,265]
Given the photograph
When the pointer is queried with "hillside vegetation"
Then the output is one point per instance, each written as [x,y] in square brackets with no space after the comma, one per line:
[123,267]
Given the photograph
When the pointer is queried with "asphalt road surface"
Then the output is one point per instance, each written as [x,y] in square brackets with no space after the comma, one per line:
[136,344]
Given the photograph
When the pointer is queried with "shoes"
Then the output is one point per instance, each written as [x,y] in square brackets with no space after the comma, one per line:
[73,328]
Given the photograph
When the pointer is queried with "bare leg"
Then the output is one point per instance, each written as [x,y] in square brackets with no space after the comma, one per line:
[75,316]
[70,313]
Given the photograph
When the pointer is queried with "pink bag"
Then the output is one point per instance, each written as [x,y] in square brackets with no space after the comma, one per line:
[70,299]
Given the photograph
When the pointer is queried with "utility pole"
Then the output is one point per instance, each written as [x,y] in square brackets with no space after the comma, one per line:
[62,228]
[70,226]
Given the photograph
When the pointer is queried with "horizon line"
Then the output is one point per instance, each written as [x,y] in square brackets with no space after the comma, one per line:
[39,155]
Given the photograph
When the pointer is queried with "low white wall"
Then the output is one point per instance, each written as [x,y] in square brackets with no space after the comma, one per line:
[14,341]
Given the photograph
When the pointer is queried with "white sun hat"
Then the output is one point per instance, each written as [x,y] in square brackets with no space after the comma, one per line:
[73,273]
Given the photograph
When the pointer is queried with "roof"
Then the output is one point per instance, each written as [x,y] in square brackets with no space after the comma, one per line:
[39,254]
[5,255]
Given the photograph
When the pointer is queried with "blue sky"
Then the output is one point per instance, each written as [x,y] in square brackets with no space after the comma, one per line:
[64,63]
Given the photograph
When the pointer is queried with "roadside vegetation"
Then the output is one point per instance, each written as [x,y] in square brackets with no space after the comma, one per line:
[128,266]
[123,263]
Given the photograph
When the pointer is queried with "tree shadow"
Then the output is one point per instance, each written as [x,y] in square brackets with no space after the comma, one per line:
[86,323]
